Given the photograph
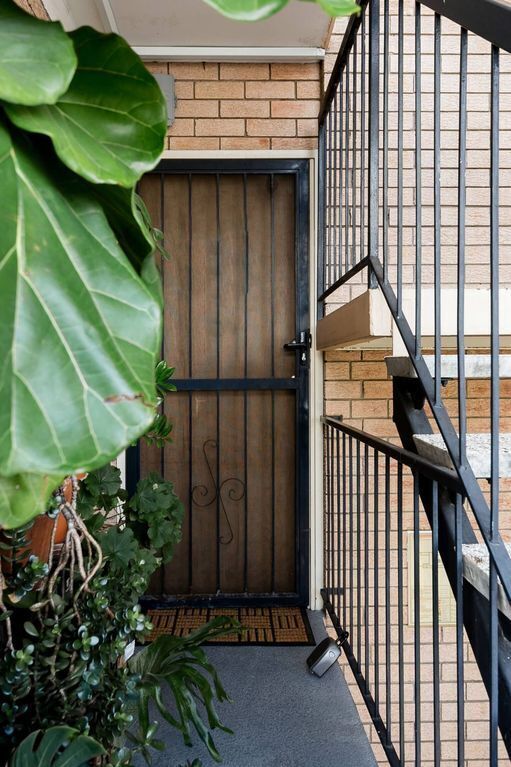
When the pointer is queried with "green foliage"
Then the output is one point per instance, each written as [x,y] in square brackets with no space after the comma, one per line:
[37,73]
[155,515]
[161,428]
[65,662]
[257,10]
[80,302]
[57,747]
[180,665]
[110,79]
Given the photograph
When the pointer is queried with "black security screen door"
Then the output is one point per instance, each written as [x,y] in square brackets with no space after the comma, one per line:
[236,292]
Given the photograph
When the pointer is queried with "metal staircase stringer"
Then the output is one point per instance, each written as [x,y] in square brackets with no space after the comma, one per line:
[470,486]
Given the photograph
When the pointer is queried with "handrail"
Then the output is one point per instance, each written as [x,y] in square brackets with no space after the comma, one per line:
[341,59]
[445,477]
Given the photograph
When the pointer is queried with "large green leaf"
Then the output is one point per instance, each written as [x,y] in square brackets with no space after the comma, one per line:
[339,7]
[110,125]
[37,58]
[79,328]
[60,746]
[24,496]
[256,10]
[247,10]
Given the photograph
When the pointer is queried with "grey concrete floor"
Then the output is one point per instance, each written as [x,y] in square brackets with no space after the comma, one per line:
[281,715]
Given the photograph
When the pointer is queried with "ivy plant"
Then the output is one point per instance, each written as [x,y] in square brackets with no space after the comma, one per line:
[257,10]
[81,120]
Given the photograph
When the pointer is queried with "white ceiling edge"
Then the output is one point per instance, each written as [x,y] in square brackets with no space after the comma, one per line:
[218,53]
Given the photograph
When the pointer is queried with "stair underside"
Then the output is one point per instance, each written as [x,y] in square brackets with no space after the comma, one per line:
[476,570]
[476,366]
[432,447]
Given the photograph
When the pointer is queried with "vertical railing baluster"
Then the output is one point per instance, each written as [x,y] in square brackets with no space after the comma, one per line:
[330,191]
[334,189]
[332,514]
[374,133]
[359,549]
[418,181]
[350,479]
[400,614]
[385,194]
[388,628]
[322,262]
[355,86]
[417,619]
[436,646]
[326,535]
[495,395]
[400,111]
[460,644]
[437,208]
[344,536]
[340,201]
[363,95]
[366,568]
[338,525]
[376,596]
[462,201]
[346,167]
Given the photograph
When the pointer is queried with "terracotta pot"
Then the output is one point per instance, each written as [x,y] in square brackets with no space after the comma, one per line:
[39,535]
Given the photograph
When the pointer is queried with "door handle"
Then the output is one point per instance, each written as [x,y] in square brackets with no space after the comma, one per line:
[301,344]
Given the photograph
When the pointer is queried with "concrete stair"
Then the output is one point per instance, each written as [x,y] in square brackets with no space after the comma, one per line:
[476,570]
[476,366]
[432,447]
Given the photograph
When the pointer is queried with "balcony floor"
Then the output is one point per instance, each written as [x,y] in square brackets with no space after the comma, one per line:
[281,715]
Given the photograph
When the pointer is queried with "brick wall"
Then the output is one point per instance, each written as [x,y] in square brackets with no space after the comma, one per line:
[35,7]
[244,106]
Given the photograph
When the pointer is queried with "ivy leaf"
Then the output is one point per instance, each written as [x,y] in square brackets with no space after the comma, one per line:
[103,481]
[247,10]
[79,330]
[119,546]
[110,125]
[37,58]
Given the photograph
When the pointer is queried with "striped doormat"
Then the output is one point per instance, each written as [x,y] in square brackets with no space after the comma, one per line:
[262,625]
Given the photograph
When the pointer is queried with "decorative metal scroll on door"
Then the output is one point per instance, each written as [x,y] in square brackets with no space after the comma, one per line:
[209,496]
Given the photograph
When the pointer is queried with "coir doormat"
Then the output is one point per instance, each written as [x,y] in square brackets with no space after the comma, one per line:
[261,625]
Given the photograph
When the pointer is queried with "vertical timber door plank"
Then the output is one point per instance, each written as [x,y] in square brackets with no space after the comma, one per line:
[204,498]
[259,404]
[231,364]
[176,291]
[284,431]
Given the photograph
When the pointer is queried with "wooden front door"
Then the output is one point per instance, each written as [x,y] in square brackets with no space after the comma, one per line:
[236,291]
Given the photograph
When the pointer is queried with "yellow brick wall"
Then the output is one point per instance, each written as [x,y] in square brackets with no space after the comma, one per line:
[35,7]
[243,106]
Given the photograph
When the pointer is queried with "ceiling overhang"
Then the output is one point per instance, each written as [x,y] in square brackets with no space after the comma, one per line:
[190,30]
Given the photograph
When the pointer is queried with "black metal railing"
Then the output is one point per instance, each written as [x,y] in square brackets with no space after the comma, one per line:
[374,588]
[411,204]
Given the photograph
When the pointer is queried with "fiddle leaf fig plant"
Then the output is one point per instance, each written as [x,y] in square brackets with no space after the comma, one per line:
[257,10]
[81,120]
